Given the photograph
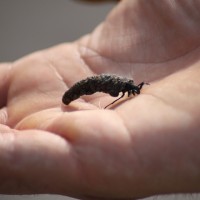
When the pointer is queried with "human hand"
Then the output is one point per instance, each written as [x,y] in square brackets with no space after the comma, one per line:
[141,146]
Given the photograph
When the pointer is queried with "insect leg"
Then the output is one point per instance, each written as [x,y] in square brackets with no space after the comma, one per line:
[131,92]
[115,100]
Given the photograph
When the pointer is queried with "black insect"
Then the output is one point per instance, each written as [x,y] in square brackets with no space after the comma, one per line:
[110,84]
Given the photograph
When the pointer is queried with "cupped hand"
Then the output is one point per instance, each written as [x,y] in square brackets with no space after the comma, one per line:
[140,146]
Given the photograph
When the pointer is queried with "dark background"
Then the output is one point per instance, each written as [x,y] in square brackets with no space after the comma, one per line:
[27,26]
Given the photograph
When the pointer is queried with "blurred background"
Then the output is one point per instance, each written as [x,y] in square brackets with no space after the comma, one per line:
[27,26]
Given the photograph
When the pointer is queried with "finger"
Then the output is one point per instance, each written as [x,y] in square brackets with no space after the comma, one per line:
[40,161]
[4,82]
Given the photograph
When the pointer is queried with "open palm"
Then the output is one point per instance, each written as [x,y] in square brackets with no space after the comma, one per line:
[140,146]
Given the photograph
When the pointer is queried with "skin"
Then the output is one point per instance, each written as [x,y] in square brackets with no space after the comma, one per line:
[142,146]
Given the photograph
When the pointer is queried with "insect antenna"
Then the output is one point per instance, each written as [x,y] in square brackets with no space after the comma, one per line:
[141,85]
[115,100]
